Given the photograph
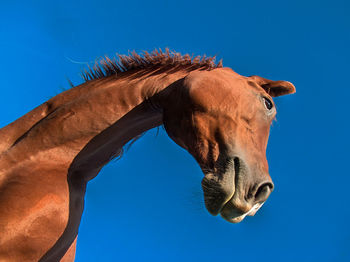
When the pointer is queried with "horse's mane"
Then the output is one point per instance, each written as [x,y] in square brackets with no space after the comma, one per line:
[157,58]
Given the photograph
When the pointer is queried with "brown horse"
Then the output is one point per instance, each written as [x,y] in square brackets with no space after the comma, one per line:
[48,155]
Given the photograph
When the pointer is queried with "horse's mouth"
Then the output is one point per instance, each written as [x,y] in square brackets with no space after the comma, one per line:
[234,215]
[232,195]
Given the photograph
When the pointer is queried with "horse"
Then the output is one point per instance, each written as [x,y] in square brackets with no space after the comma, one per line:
[48,156]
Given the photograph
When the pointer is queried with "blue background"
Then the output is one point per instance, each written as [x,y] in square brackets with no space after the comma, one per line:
[148,206]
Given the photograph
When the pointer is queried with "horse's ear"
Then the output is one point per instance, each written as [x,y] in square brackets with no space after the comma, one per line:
[274,88]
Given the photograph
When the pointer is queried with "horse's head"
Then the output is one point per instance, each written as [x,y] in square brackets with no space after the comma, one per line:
[223,119]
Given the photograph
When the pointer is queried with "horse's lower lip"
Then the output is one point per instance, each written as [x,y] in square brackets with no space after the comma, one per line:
[234,219]
[237,219]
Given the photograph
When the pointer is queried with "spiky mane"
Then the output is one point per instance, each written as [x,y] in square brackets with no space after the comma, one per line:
[157,58]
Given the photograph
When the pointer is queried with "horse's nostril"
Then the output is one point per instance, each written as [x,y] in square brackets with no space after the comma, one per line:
[263,192]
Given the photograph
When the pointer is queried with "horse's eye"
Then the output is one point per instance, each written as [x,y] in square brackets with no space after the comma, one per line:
[268,103]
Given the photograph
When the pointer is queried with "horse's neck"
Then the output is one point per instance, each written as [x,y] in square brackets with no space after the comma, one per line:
[12,132]
[87,124]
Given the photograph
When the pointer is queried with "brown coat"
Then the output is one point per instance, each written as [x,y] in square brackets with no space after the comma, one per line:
[48,156]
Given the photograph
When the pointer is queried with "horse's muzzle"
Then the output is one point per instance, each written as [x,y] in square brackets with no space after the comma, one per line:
[236,193]
[237,208]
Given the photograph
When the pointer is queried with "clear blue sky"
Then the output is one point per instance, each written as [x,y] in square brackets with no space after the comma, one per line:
[157,209]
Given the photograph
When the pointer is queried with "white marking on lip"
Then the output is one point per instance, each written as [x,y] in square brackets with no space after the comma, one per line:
[251,212]
[254,209]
